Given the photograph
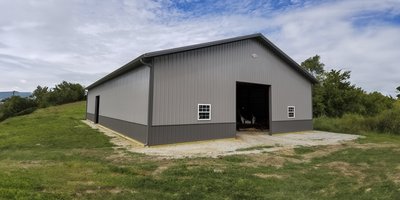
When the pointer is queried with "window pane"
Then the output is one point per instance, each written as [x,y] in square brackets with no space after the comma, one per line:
[204,111]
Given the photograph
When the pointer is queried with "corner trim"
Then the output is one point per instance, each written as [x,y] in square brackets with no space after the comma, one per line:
[150,99]
[87,98]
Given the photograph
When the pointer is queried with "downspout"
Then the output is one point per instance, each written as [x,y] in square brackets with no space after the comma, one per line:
[150,100]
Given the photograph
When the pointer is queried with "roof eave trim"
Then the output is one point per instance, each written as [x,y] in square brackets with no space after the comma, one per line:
[136,62]
[199,46]
[127,67]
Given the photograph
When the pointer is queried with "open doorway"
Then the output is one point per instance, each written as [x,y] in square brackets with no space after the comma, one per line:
[252,106]
[96,109]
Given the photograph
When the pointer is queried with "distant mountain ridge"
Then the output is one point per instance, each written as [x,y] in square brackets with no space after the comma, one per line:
[4,95]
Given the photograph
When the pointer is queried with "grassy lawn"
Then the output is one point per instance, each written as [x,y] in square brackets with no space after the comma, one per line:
[50,154]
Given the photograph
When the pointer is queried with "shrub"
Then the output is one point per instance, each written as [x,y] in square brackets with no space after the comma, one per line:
[349,123]
[26,111]
[16,105]
[387,121]
[62,93]
[42,97]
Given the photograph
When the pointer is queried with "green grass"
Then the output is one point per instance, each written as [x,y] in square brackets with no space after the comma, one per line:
[304,149]
[371,137]
[50,154]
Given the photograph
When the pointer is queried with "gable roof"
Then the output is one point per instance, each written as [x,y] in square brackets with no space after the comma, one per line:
[258,36]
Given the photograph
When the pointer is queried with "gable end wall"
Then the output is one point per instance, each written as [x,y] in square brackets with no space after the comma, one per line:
[209,75]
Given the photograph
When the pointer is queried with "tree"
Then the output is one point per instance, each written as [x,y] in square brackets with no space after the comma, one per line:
[337,93]
[398,91]
[376,102]
[40,95]
[66,92]
[334,95]
[314,66]
[17,105]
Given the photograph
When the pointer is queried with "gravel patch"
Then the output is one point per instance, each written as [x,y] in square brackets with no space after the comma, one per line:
[222,147]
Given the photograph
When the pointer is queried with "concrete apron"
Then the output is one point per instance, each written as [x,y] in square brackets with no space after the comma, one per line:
[221,147]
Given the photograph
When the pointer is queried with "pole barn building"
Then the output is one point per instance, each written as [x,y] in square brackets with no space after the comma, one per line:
[204,91]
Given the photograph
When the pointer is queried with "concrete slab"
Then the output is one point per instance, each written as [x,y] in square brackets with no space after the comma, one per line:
[247,140]
[238,145]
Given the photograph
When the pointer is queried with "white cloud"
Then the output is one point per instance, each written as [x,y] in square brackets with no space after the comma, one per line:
[371,52]
[45,42]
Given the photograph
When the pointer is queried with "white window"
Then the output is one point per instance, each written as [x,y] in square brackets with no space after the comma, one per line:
[203,111]
[291,112]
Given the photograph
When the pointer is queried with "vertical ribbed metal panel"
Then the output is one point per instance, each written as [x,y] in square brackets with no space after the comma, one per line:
[125,97]
[209,75]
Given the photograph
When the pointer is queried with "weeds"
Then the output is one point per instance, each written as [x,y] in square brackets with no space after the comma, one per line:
[387,121]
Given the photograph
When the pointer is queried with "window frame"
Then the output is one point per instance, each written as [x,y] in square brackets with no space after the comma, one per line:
[294,112]
[198,111]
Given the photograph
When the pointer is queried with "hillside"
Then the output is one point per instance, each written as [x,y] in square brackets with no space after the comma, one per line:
[51,154]
[4,95]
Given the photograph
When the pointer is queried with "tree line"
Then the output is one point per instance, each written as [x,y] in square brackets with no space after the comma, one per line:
[334,94]
[64,92]
[339,105]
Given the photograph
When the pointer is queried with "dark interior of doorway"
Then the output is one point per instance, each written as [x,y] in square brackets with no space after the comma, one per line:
[96,109]
[252,106]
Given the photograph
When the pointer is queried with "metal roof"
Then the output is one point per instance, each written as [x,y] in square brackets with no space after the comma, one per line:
[138,61]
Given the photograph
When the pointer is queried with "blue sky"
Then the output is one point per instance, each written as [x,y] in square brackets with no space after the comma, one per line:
[46,41]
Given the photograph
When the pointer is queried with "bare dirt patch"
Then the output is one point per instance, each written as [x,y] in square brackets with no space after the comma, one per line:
[373,145]
[27,164]
[80,183]
[346,169]
[266,176]
[321,152]
[396,175]
[160,170]
[275,159]
[110,190]
[280,157]
[396,178]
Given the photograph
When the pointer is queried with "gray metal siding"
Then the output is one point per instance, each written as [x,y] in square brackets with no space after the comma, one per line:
[291,126]
[209,75]
[132,130]
[125,97]
[90,116]
[192,132]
